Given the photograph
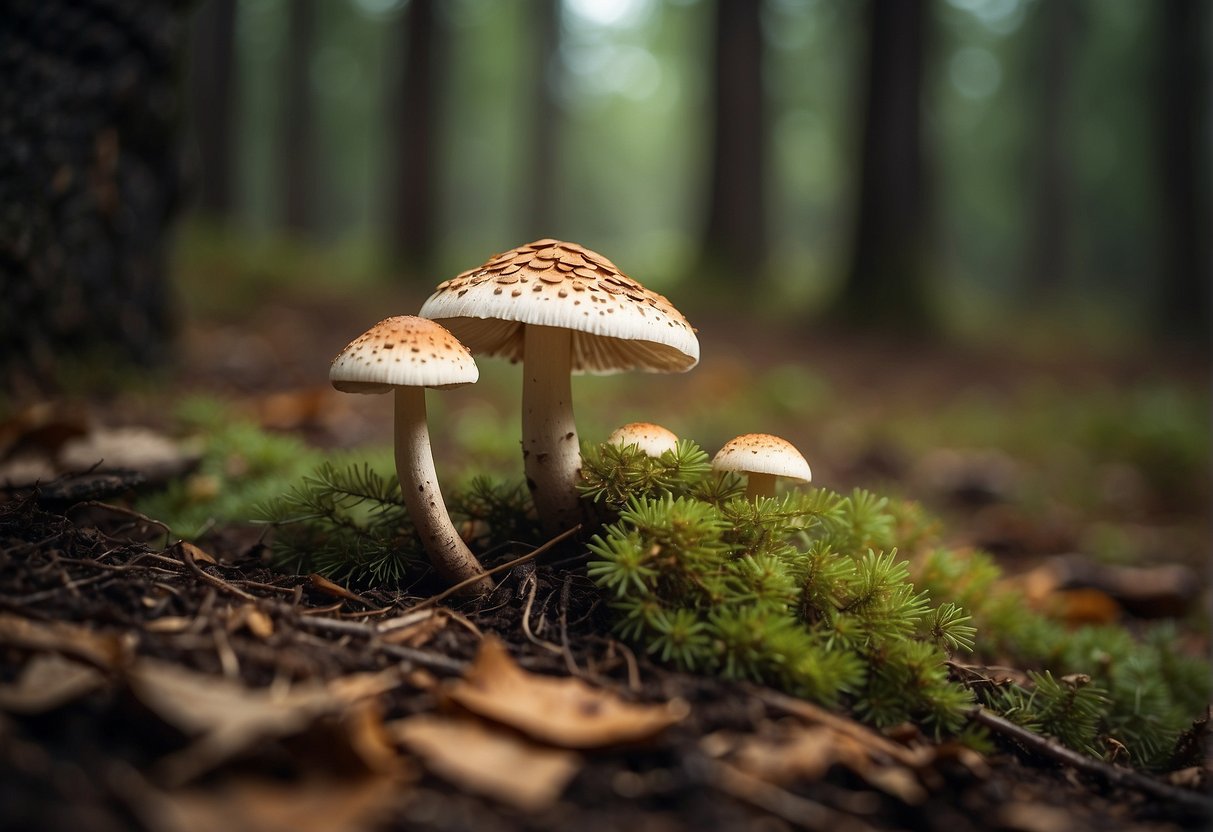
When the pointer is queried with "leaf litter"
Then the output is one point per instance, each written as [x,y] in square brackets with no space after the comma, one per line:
[292,712]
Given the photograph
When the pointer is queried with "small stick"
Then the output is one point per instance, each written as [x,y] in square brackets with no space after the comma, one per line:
[187,557]
[531,555]
[1113,775]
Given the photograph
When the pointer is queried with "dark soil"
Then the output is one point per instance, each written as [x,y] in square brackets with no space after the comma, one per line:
[94,762]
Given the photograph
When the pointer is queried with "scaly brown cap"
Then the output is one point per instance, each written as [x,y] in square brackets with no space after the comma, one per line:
[404,351]
[617,324]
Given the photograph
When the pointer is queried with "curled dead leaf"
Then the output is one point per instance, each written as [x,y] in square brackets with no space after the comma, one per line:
[103,650]
[498,764]
[48,681]
[563,712]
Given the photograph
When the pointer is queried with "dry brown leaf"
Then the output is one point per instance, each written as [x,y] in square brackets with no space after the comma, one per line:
[504,766]
[227,718]
[103,650]
[335,589]
[804,752]
[252,618]
[265,806]
[564,712]
[48,681]
[183,547]
[170,624]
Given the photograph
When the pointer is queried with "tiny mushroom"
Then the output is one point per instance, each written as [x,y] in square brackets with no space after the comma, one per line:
[561,309]
[652,440]
[764,458]
[406,354]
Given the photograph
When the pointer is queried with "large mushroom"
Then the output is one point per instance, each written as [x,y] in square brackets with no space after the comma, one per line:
[763,458]
[407,354]
[560,309]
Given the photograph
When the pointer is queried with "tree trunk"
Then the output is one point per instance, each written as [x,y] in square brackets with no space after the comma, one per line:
[415,154]
[212,93]
[545,122]
[734,245]
[1058,27]
[1182,151]
[885,281]
[89,180]
[296,171]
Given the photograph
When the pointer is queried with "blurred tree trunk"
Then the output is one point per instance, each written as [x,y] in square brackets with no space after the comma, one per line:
[89,181]
[295,137]
[415,156]
[545,123]
[1058,28]
[212,93]
[1183,141]
[885,284]
[734,246]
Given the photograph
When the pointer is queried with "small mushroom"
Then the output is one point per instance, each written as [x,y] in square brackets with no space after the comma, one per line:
[560,309]
[652,440]
[764,458]
[406,354]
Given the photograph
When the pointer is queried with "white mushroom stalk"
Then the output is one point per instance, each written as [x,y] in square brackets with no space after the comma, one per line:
[763,458]
[407,354]
[551,455]
[560,309]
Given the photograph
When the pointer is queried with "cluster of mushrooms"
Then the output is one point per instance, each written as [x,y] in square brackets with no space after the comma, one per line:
[560,309]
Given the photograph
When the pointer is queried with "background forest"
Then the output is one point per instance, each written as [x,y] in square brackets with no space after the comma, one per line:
[905,163]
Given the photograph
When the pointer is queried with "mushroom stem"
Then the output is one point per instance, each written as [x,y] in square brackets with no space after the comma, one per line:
[550,453]
[760,485]
[419,484]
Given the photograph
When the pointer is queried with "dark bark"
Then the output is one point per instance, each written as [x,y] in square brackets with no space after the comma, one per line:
[735,236]
[89,180]
[416,113]
[885,284]
[545,123]
[1182,150]
[212,92]
[295,130]
[1057,27]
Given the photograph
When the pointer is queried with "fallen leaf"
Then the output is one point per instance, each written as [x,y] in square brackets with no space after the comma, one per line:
[227,718]
[564,712]
[103,650]
[491,762]
[252,618]
[169,624]
[130,449]
[335,589]
[247,805]
[183,547]
[48,681]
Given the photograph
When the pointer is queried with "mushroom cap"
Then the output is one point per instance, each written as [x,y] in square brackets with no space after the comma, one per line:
[653,440]
[617,324]
[761,453]
[403,351]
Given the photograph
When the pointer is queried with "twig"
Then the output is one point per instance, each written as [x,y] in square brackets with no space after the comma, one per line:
[526,617]
[531,555]
[790,808]
[569,662]
[128,512]
[844,725]
[430,661]
[187,557]
[1113,775]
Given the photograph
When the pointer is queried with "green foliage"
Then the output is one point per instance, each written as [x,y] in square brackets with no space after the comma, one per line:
[805,591]
[241,465]
[1139,694]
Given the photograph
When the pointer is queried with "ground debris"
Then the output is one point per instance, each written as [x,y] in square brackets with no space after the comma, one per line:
[174,688]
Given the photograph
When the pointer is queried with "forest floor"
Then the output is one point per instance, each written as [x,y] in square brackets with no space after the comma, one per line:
[147,683]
